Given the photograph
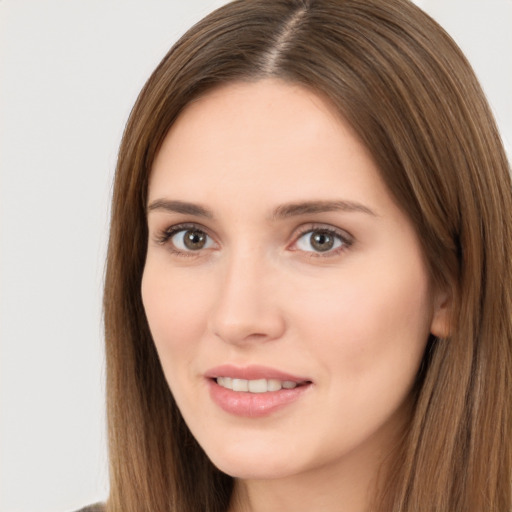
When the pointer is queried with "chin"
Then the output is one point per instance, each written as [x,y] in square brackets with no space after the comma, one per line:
[253,464]
[249,470]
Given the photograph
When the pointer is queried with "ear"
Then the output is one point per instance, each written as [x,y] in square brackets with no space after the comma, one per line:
[441,318]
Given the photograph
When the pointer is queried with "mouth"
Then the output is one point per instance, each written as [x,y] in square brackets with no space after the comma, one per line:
[257,385]
[254,391]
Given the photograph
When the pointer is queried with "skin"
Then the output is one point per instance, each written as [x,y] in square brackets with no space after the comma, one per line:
[354,319]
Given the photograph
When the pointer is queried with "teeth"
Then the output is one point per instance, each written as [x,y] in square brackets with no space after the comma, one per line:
[258,386]
[274,385]
[225,382]
[240,385]
[255,386]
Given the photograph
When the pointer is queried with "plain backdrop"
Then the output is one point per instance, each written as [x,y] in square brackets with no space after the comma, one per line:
[70,71]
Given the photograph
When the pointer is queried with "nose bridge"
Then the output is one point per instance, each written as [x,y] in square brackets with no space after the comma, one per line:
[245,308]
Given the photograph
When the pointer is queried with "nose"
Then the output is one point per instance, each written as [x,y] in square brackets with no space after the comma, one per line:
[246,308]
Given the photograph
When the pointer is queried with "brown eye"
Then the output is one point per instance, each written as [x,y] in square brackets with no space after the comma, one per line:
[194,240]
[187,240]
[320,241]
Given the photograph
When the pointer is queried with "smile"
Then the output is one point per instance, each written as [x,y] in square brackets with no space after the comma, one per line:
[255,391]
[255,386]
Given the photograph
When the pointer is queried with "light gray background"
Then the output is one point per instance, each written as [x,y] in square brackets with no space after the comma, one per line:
[70,71]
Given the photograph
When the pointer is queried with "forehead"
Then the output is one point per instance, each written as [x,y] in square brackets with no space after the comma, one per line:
[262,138]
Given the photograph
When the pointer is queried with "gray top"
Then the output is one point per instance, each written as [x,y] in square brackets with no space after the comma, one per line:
[97,507]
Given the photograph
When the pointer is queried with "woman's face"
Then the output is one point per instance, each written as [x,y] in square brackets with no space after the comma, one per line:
[286,292]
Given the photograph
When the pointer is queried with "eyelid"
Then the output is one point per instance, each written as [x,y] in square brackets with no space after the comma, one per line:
[344,236]
[163,237]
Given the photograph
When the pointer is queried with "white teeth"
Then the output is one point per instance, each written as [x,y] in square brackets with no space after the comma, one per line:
[273,385]
[258,386]
[240,385]
[225,382]
[255,386]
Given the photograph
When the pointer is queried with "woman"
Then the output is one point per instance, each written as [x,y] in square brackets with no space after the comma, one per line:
[308,300]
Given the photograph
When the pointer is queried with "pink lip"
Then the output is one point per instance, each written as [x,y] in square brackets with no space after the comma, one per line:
[251,372]
[254,405]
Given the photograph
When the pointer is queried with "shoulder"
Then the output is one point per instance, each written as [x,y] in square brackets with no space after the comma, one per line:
[98,507]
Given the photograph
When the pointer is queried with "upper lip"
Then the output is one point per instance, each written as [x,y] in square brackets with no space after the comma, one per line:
[252,372]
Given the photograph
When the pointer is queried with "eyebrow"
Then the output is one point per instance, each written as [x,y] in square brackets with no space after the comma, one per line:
[174,206]
[311,207]
[281,212]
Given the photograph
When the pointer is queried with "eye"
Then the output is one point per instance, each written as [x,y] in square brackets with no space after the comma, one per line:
[321,240]
[191,240]
[186,239]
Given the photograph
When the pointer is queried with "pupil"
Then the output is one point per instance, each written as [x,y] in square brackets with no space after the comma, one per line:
[194,239]
[322,241]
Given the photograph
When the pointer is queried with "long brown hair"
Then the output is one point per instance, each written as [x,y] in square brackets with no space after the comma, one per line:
[412,98]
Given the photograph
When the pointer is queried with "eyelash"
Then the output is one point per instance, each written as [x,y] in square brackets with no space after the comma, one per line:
[342,236]
[164,236]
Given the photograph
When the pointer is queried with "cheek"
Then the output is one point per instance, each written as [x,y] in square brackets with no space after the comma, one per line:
[370,328]
[176,314]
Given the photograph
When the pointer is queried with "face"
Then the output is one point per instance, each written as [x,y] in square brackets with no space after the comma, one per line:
[285,290]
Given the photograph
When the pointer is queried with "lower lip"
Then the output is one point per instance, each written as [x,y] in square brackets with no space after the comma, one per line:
[254,405]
